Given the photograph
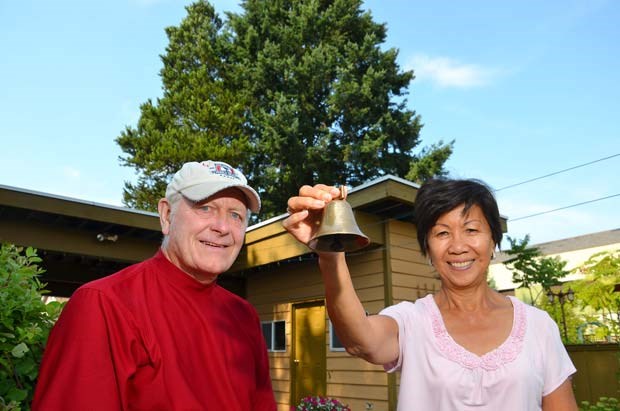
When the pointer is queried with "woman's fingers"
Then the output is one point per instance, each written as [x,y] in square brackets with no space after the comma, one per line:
[312,198]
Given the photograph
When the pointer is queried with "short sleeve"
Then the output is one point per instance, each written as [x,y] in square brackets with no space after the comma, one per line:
[558,365]
[399,313]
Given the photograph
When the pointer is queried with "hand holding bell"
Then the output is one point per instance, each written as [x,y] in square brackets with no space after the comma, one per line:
[338,230]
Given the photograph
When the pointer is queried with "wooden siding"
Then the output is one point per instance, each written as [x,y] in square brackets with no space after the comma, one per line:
[393,261]
[273,292]
[412,276]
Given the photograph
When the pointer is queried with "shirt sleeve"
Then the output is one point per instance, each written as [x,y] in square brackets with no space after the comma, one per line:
[558,365]
[398,313]
[88,357]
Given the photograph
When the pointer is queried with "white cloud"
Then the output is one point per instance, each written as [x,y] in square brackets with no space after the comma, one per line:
[450,73]
[70,172]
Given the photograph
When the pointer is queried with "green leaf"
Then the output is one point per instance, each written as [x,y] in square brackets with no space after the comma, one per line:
[19,350]
[17,395]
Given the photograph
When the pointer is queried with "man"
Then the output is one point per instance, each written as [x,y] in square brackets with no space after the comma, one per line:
[161,334]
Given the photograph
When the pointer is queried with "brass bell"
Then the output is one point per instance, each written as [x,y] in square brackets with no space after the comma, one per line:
[338,229]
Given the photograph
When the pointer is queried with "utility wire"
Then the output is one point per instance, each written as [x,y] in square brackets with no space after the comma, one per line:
[558,172]
[563,208]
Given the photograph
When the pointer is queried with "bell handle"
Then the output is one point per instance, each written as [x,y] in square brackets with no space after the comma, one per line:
[343,193]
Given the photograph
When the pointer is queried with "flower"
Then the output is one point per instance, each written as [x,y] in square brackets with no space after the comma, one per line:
[318,403]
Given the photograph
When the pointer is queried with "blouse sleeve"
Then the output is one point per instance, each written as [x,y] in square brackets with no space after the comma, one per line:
[399,313]
[558,365]
[88,354]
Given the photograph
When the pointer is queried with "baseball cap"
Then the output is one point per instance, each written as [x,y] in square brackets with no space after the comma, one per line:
[198,181]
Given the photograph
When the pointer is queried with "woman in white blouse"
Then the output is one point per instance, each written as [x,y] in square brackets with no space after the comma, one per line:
[466,347]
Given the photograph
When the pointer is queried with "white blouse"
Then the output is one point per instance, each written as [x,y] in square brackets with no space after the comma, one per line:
[439,374]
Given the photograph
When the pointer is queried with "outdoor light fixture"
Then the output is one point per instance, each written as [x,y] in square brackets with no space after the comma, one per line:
[101,237]
[562,298]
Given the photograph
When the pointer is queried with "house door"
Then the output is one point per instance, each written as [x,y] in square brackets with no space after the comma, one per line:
[308,366]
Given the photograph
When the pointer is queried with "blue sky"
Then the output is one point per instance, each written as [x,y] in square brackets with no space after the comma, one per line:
[526,88]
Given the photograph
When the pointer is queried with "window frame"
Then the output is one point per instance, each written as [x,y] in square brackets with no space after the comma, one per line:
[333,338]
[272,343]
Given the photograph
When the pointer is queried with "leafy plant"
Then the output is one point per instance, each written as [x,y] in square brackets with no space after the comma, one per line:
[529,268]
[25,322]
[597,290]
[318,403]
[603,404]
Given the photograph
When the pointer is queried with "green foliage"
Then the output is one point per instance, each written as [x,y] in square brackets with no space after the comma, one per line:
[596,291]
[25,322]
[603,404]
[292,91]
[529,268]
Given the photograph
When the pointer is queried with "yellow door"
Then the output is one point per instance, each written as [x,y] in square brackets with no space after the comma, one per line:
[309,374]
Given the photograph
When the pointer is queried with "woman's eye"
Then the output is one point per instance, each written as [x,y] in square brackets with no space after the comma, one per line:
[441,234]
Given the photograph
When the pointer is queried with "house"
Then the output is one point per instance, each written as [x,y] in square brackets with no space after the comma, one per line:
[80,241]
[574,250]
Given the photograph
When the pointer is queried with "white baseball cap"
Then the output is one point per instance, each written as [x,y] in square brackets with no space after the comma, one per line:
[198,181]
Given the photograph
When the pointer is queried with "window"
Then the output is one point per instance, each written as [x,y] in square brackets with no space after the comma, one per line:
[334,342]
[274,333]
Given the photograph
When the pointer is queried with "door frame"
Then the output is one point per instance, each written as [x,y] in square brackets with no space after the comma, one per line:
[323,383]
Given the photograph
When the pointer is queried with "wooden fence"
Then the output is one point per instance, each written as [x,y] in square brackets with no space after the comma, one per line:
[597,371]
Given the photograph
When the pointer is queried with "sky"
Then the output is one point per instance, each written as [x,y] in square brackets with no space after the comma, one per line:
[525,88]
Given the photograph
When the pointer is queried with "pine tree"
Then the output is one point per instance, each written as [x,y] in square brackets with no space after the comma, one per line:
[293,91]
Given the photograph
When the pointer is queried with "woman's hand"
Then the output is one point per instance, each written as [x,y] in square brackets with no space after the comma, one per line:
[305,210]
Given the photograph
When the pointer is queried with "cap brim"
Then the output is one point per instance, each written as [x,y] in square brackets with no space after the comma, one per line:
[201,192]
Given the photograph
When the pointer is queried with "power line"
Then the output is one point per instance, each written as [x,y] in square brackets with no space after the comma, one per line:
[563,208]
[558,172]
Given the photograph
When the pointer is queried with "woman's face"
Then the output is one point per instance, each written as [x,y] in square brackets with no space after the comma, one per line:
[460,247]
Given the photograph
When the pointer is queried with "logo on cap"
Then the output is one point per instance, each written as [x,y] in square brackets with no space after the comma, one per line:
[221,169]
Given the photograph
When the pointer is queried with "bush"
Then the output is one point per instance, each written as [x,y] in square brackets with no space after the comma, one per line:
[316,403]
[603,404]
[25,322]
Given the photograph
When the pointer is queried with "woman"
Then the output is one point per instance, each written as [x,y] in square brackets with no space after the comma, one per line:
[466,347]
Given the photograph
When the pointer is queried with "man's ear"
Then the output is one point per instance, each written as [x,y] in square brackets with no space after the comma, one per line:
[165,213]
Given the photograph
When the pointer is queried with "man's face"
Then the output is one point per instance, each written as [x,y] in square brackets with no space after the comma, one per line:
[204,239]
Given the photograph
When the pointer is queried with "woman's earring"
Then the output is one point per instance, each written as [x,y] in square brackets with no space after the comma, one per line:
[493,255]
[430,262]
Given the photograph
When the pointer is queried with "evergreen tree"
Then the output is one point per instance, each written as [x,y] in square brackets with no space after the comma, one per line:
[294,91]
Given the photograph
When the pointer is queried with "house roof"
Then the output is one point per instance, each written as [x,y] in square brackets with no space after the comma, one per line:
[82,240]
[74,237]
[582,242]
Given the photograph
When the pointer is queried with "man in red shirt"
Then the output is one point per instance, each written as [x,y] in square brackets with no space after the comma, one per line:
[161,334]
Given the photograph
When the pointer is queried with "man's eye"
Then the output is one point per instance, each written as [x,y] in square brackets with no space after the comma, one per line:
[236,216]
[205,208]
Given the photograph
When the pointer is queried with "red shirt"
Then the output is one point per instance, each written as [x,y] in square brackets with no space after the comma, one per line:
[151,337]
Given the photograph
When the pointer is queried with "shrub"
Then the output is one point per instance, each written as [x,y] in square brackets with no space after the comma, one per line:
[25,322]
[603,404]
[317,403]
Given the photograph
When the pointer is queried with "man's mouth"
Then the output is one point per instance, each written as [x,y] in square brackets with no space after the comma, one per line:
[210,244]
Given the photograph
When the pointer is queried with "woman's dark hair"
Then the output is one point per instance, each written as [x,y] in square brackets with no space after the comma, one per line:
[439,196]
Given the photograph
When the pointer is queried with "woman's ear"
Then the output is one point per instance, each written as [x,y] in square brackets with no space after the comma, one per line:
[165,214]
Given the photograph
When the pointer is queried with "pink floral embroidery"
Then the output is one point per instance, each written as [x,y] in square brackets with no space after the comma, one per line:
[490,361]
